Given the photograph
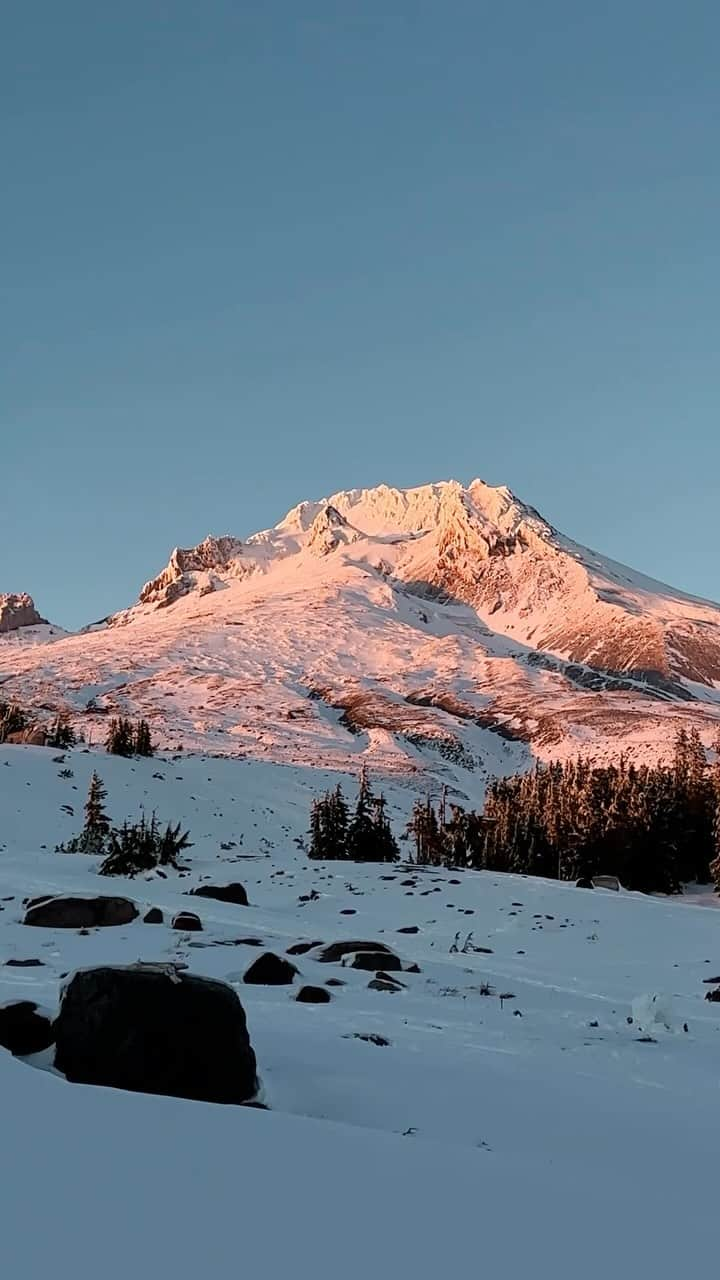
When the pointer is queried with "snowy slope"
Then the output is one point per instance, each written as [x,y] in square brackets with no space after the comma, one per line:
[436,634]
[538,1133]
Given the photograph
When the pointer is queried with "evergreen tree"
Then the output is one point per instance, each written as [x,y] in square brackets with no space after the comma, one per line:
[96,818]
[386,847]
[361,831]
[143,741]
[329,821]
[429,836]
[120,740]
[61,735]
[94,837]
[366,837]
[142,846]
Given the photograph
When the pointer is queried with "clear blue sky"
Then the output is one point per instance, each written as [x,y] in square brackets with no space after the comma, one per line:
[257,250]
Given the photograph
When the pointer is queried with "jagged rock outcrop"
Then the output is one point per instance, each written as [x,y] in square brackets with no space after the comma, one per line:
[18,611]
[329,530]
[190,567]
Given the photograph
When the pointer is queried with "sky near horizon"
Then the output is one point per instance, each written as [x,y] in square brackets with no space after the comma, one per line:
[255,251]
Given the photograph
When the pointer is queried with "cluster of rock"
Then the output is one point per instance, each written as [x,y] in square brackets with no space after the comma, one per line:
[154,1028]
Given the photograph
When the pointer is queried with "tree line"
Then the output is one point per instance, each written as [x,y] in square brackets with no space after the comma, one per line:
[655,827]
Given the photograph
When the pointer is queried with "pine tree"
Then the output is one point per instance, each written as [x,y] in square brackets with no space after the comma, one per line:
[61,735]
[143,740]
[329,819]
[318,846]
[386,847]
[337,822]
[361,832]
[96,818]
[141,846]
[94,837]
[120,740]
[429,837]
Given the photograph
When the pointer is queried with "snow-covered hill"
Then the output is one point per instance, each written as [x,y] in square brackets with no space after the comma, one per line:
[519,1108]
[435,634]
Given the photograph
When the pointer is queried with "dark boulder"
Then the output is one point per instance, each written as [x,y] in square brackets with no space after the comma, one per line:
[383,984]
[153,916]
[25,964]
[313,995]
[300,948]
[234,893]
[335,951]
[270,970]
[409,928]
[23,1030]
[152,1029]
[584,883]
[374,960]
[64,912]
[187,921]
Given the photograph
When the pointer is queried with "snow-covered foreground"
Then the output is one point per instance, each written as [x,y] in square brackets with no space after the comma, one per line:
[541,1133]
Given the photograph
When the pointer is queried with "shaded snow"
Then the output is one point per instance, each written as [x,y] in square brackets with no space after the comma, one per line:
[551,1143]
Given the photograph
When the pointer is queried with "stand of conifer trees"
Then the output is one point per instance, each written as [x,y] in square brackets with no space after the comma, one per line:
[654,827]
[127,739]
[364,836]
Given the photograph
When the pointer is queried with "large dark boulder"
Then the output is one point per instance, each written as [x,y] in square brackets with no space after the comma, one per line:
[584,883]
[23,1030]
[234,893]
[65,912]
[335,951]
[313,995]
[270,970]
[187,921]
[153,916]
[152,1029]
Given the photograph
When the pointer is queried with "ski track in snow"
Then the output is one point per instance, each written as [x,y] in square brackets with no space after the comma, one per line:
[476,1138]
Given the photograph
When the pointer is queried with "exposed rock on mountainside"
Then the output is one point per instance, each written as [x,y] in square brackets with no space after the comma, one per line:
[443,630]
[191,568]
[18,611]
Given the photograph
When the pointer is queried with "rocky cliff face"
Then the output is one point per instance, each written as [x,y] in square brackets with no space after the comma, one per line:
[18,611]
[190,568]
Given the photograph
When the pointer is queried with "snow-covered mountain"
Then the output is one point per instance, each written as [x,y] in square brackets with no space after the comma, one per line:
[441,630]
